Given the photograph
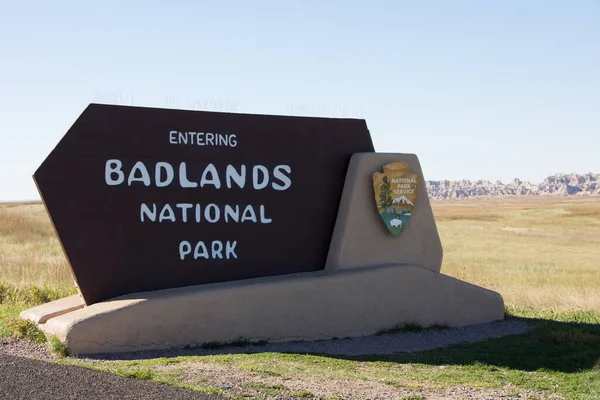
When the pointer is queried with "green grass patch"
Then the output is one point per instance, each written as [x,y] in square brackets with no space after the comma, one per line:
[8,313]
[536,314]
[272,390]
[25,329]
[32,295]
[412,327]
[276,390]
[302,394]
[145,374]
[241,342]
[15,298]
[57,347]
[245,396]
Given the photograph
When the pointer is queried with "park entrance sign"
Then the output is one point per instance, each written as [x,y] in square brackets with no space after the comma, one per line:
[146,199]
[165,215]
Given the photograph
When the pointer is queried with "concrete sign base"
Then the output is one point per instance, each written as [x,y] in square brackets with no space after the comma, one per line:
[373,282]
[307,306]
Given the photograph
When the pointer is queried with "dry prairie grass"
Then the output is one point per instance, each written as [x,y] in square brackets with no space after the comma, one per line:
[537,252]
[29,250]
[541,253]
[584,210]
[463,215]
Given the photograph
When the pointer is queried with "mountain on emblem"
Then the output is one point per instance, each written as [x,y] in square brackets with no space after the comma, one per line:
[402,200]
[395,195]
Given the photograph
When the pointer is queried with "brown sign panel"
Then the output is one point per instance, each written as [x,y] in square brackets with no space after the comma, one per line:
[146,199]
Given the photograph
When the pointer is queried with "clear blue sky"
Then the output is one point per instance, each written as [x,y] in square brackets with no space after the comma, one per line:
[478,89]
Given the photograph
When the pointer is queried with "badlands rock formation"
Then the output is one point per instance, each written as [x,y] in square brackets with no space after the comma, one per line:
[555,185]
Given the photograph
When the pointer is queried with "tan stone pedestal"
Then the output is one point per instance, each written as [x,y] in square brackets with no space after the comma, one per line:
[360,239]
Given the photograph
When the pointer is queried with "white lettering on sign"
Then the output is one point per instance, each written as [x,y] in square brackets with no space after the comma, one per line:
[168,172]
[184,207]
[210,213]
[203,139]
[201,250]
[212,216]
[183,180]
[145,212]
[285,179]
[404,180]
[214,177]
[113,167]
[164,175]
[166,214]
[260,177]
[238,177]
[404,185]
[143,177]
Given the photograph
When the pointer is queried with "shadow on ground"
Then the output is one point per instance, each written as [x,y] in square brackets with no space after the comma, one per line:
[551,345]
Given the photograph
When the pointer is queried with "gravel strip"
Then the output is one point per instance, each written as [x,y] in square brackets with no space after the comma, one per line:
[392,343]
[24,348]
[23,378]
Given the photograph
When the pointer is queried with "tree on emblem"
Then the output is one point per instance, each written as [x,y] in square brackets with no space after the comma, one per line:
[385,195]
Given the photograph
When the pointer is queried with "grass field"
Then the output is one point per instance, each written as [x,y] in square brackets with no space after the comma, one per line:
[541,254]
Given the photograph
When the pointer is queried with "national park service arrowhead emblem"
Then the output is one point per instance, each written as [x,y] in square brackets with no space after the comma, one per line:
[395,195]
